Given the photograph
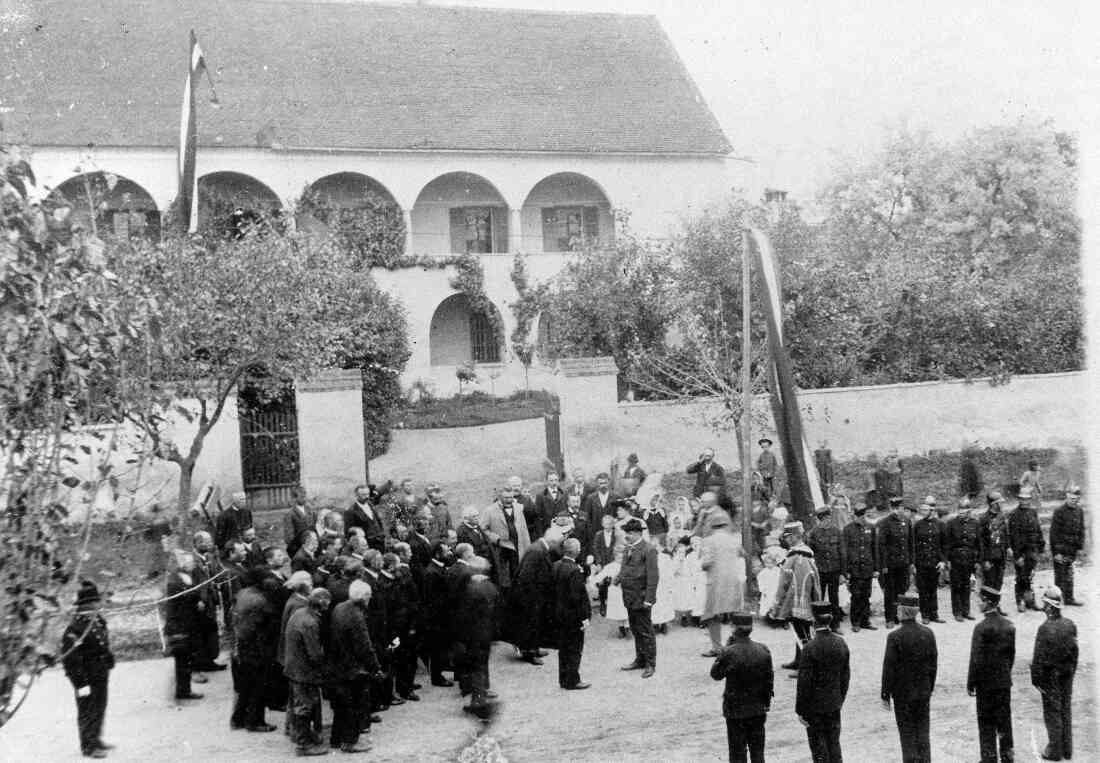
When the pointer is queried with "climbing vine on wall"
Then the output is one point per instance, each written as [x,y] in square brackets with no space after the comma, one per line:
[469,279]
[526,309]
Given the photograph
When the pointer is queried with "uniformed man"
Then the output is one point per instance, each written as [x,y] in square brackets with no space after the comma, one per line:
[750,679]
[928,560]
[860,567]
[963,549]
[765,467]
[827,543]
[823,676]
[992,652]
[1067,539]
[86,655]
[908,678]
[993,541]
[1025,537]
[895,554]
[1052,669]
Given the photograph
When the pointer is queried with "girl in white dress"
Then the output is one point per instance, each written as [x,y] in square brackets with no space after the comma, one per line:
[683,594]
[698,580]
[616,610]
[767,580]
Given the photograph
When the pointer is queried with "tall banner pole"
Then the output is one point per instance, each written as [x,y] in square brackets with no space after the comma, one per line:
[746,409]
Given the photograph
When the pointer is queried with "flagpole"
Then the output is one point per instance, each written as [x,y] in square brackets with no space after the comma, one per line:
[746,409]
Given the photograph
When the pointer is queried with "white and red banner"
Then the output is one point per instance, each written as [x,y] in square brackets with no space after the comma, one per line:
[186,198]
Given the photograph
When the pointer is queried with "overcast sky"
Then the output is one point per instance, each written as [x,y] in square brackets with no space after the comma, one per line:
[793,82]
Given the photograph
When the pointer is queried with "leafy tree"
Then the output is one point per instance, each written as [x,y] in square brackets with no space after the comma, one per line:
[526,308]
[612,302]
[68,325]
[264,307]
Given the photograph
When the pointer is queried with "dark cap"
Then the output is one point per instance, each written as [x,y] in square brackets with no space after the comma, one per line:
[991,595]
[741,620]
[908,600]
[822,609]
[87,594]
[763,440]
[896,500]
[633,525]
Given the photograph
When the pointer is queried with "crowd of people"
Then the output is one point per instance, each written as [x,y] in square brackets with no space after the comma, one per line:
[351,602]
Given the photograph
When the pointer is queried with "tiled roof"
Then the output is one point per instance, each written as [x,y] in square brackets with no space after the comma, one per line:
[350,76]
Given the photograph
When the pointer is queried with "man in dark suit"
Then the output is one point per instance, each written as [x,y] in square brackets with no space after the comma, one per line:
[605,547]
[378,621]
[993,540]
[992,652]
[535,590]
[1053,666]
[860,566]
[470,532]
[1025,536]
[306,669]
[578,524]
[826,540]
[579,486]
[256,631]
[638,578]
[895,555]
[476,627]
[962,547]
[233,520]
[599,502]
[823,675]
[709,475]
[747,668]
[549,503]
[354,662]
[296,521]
[573,613]
[88,663]
[908,679]
[434,615]
[362,514]
[1067,539]
[632,477]
[182,609]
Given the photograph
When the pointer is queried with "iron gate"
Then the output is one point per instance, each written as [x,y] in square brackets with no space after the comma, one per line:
[270,465]
[553,441]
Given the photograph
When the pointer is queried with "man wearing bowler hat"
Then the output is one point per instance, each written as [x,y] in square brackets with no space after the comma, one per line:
[638,578]
[750,679]
[908,678]
[86,655]
[765,467]
[992,652]
[823,676]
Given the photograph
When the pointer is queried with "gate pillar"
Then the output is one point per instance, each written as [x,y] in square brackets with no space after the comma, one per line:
[330,435]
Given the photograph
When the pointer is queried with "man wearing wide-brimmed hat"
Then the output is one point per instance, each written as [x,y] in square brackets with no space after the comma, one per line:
[992,653]
[86,655]
[750,680]
[823,677]
[1053,666]
[908,678]
[765,467]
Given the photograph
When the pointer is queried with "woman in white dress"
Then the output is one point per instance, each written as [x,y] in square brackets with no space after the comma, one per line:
[664,609]
[616,610]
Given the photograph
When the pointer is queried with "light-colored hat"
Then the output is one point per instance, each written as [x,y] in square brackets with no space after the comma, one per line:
[1053,596]
[793,527]
[298,578]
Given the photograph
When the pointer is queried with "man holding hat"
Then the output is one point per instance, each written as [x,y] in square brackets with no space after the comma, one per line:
[750,680]
[963,548]
[860,567]
[928,560]
[638,578]
[1025,536]
[86,655]
[908,678]
[1053,666]
[765,467]
[993,541]
[1067,539]
[895,555]
[828,546]
[992,652]
[799,587]
[823,676]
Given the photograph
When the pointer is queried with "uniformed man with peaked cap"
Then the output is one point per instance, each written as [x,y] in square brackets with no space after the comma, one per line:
[908,678]
[992,653]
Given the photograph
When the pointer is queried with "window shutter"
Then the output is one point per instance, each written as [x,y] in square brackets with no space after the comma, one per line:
[500,229]
[591,225]
[549,229]
[458,230]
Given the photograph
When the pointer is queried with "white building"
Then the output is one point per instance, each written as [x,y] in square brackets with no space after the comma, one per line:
[496,132]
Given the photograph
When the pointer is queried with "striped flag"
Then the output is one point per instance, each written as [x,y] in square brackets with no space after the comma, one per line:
[186,198]
[798,458]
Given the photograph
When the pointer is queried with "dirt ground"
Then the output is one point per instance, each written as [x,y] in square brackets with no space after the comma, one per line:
[675,716]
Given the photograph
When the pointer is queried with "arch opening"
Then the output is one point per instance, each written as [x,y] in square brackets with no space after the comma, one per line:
[460,334]
[460,213]
[567,212]
[109,204]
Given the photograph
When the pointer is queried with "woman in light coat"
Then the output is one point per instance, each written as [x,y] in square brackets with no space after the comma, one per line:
[722,560]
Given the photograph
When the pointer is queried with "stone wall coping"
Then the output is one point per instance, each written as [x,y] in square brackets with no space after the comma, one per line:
[599,366]
[331,381]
